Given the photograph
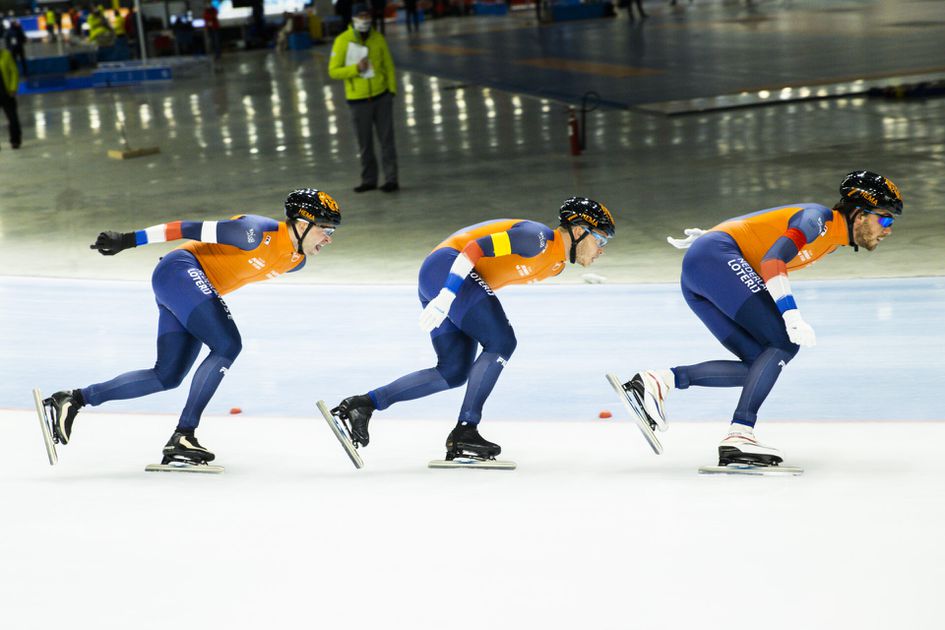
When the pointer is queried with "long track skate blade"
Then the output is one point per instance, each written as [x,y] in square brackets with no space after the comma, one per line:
[185,468]
[471,462]
[749,469]
[46,427]
[342,434]
[636,413]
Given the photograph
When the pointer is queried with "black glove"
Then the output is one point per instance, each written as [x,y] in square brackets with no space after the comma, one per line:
[110,243]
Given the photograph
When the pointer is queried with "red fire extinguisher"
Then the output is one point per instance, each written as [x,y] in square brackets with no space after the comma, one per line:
[573,133]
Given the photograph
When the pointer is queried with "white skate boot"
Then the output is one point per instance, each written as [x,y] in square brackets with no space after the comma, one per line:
[650,388]
[740,453]
[643,396]
[741,446]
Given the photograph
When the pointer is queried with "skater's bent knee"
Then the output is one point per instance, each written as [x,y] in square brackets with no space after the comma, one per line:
[230,349]
[503,344]
[454,374]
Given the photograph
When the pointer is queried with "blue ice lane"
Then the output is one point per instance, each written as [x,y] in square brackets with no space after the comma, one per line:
[880,352]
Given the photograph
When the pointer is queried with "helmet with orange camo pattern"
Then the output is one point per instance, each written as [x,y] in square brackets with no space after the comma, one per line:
[315,207]
[584,212]
[312,206]
[871,191]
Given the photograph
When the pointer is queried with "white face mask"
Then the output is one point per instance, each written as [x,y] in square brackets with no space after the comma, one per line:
[361,25]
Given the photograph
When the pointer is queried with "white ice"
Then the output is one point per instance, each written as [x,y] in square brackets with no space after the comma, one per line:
[591,531]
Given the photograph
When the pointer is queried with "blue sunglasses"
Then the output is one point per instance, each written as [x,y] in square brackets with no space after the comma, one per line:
[884,220]
[601,240]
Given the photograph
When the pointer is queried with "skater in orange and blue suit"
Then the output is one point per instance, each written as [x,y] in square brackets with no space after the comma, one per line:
[188,283]
[457,286]
[735,279]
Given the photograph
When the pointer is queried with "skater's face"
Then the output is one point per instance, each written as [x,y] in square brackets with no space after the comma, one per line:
[868,229]
[317,237]
[590,248]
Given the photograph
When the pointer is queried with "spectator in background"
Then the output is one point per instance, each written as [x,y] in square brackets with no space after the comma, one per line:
[118,25]
[131,32]
[100,32]
[50,17]
[639,4]
[259,36]
[412,17]
[212,23]
[370,86]
[16,43]
[9,85]
[75,19]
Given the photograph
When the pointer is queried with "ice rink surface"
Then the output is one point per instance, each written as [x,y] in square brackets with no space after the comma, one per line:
[591,531]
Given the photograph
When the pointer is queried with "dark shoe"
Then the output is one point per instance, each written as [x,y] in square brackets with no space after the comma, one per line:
[183,447]
[15,145]
[364,188]
[464,441]
[390,187]
[62,408]
[355,412]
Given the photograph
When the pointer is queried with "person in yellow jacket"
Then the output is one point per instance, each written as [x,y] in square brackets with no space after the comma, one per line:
[50,17]
[8,88]
[360,57]
[100,32]
[118,24]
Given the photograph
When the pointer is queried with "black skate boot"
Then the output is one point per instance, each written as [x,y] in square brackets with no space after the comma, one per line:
[62,408]
[464,441]
[183,448]
[355,412]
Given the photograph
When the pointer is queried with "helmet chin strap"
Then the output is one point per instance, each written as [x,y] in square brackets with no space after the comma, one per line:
[298,238]
[850,222]
[574,243]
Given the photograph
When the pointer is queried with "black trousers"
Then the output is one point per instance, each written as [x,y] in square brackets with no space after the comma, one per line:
[8,103]
[19,54]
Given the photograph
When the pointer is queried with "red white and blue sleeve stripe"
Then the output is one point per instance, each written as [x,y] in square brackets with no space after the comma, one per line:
[805,226]
[244,231]
[205,231]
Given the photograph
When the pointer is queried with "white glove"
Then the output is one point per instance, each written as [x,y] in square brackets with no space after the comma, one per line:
[437,310]
[684,243]
[798,331]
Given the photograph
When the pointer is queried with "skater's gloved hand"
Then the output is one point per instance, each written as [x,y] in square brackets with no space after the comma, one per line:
[683,243]
[799,331]
[437,310]
[110,243]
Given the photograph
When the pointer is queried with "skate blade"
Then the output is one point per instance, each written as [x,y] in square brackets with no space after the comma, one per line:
[342,434]
[472,462]
[46,426]
[183,467]
[638,415]
[752,469]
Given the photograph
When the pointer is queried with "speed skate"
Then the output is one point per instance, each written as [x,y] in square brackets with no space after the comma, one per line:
[44,423]
[637,413]
[185,467]
[472,462]
[342,433]
[752,469]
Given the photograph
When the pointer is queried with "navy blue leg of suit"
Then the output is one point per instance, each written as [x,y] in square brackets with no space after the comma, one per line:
[725,293]
[476,318]
[190,314]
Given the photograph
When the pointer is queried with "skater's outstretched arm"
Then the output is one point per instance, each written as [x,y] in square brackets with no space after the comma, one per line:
[526,239]
[803,228]
[243,231]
